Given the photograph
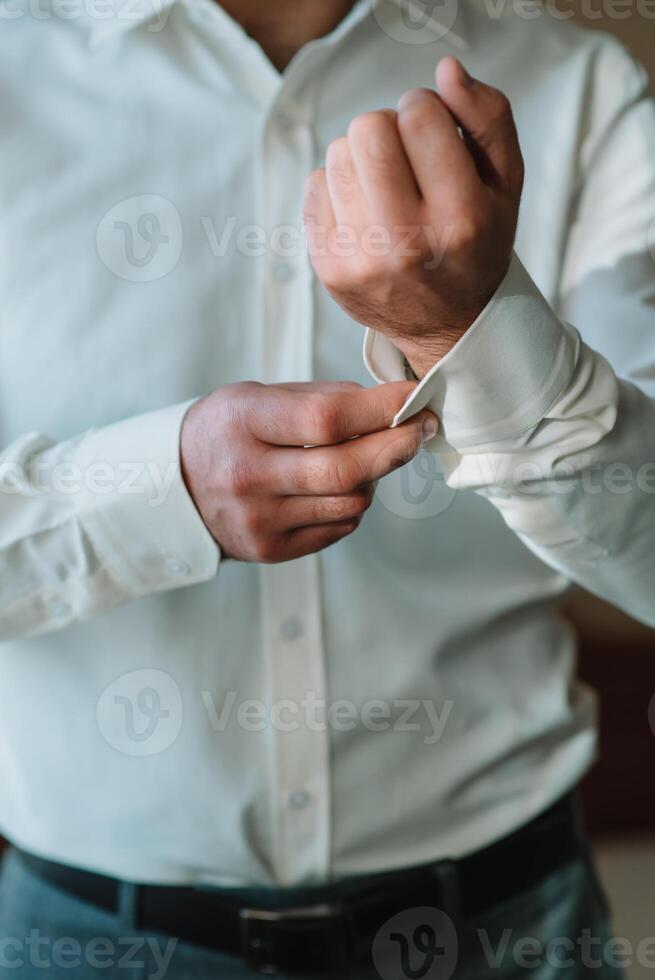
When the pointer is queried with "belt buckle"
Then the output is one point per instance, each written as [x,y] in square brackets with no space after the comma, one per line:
[260,928]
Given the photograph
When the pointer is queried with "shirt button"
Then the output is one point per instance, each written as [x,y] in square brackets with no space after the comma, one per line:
[291,629]
[299,800]
[59,609]
[177,567]
[283,272]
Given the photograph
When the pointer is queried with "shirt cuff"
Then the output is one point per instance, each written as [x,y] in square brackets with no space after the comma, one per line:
[135,506]
[503,375]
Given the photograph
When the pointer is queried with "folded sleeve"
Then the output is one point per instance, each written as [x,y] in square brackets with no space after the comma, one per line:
[97,520]
[550,412]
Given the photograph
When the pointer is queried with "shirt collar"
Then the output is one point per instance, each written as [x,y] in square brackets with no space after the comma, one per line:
[113,17]
[408,21]
[420,21]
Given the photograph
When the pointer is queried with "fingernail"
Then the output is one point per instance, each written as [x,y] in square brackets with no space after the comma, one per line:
[413,96]
[464,76]
[429,429]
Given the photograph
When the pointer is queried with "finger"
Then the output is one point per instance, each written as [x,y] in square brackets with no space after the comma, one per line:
[308,540]
[300,511]
[444,168]
[348,202]
[383,169]
[486,116]
[333,470]
[316,417]
[318,214]
[327,386]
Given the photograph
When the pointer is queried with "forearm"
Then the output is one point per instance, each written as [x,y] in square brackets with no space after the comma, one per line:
[95,521]
[537,422]
[584,505]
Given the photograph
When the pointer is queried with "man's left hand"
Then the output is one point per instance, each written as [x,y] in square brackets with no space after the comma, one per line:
[411,224]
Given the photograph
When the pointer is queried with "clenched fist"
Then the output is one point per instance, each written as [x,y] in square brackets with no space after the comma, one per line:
[262,494]
[411,224]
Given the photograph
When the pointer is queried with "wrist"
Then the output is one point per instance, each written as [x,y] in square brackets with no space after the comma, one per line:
[187,446]
[422,353]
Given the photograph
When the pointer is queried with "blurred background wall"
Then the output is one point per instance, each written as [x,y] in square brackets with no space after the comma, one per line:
[624,19]
[618,655]
[618,658]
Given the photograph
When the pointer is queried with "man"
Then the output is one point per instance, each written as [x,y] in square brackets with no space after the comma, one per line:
[226,748]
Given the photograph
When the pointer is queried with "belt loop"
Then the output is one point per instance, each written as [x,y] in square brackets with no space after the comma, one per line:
[447,875]
[128,904]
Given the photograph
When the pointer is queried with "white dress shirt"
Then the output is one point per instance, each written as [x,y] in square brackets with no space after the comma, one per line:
[409,693]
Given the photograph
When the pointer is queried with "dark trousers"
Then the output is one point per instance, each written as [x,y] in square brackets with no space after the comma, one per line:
[558,930]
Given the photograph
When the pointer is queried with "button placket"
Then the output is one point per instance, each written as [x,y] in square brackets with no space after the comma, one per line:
[290,593]
[299,743]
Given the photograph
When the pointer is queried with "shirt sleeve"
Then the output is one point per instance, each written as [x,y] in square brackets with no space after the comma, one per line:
[95,521]
[555,423]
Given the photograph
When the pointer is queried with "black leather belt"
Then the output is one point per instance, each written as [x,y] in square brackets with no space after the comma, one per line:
[335,925]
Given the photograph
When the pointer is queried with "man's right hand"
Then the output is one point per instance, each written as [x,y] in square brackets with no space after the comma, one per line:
[264,496]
